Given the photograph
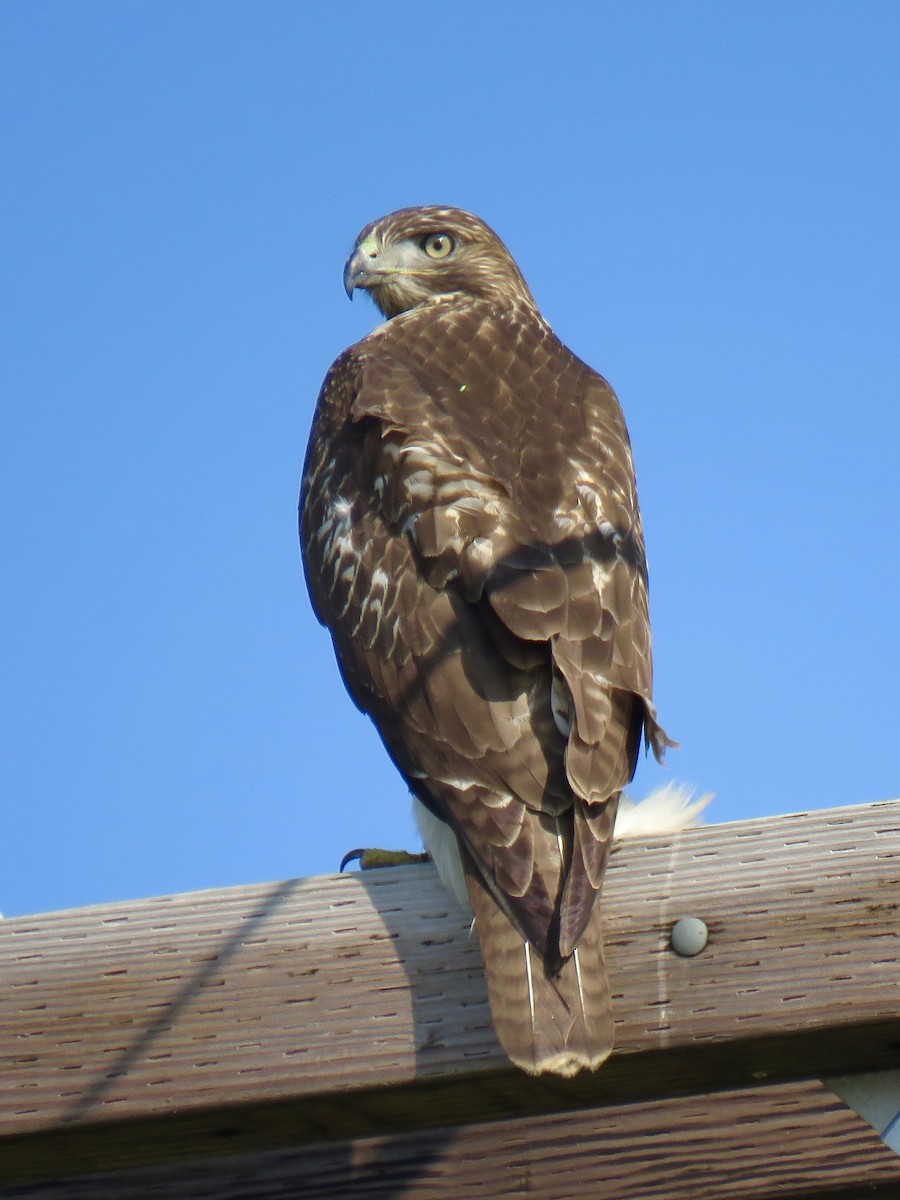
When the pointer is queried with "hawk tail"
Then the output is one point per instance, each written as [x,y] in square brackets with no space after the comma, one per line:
[559,1022]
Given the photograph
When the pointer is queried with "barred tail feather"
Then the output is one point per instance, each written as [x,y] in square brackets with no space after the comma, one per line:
[546,1023]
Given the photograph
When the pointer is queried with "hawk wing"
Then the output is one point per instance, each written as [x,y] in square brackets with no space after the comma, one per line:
[472,539]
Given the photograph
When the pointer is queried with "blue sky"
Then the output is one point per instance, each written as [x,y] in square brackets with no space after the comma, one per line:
[704,199]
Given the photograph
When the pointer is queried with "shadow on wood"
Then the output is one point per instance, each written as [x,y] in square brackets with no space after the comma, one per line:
[352,1011]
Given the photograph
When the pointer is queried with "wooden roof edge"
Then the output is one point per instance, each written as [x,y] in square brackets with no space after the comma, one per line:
[352,1006]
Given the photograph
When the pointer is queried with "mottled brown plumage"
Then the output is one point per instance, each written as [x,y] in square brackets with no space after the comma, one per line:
[471,537]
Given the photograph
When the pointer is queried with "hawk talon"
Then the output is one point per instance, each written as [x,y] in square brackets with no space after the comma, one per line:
[370,859]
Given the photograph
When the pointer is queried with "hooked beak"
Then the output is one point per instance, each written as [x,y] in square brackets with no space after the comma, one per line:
[363,268]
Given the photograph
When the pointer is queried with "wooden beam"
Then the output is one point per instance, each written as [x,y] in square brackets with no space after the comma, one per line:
[352,1006]
[772,1143]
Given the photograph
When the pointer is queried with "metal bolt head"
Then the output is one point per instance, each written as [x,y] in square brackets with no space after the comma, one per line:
[689,936]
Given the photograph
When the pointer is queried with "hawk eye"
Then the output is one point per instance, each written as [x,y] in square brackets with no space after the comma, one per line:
[438,245]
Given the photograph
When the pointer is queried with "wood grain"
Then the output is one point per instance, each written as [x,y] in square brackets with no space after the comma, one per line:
[772,1143]
[353,1006]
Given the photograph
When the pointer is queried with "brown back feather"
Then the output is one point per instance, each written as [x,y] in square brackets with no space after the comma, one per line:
[470,532]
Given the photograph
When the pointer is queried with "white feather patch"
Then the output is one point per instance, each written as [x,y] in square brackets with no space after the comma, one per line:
[440,842]
[667,810]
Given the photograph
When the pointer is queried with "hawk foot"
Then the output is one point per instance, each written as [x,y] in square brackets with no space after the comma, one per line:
[369,859]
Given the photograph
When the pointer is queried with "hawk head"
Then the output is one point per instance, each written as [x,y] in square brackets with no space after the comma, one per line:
[416,254]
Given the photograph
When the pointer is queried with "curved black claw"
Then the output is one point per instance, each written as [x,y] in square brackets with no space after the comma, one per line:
[370,859]
[352,856]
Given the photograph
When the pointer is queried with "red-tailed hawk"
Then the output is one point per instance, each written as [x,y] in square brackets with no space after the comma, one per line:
[471,538]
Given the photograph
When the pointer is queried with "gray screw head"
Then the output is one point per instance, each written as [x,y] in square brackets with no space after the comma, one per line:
[689,936]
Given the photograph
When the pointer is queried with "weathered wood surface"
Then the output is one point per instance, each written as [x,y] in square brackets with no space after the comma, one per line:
[774,1143]
[345,1007]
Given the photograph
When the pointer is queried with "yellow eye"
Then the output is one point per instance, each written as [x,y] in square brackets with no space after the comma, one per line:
[438,245]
